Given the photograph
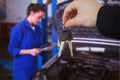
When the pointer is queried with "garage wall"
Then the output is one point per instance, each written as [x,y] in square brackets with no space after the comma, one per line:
[16,10]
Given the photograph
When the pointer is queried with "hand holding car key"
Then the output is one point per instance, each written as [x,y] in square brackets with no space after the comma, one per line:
[66,36]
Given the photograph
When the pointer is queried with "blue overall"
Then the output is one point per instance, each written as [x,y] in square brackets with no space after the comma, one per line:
[23,37]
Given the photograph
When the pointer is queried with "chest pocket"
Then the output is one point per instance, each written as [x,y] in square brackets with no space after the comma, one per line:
[31,39]
[28,39]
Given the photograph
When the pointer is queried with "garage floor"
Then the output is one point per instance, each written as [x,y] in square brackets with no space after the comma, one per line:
[5,56]
[4,73]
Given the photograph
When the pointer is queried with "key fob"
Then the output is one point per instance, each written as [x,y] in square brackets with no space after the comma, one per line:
[66,34]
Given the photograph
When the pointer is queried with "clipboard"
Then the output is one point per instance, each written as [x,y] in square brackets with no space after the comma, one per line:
[48,47]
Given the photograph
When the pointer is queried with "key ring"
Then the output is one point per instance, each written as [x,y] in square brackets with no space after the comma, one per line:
[66,36]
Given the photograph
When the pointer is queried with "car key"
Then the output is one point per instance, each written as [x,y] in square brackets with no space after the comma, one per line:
[66,36]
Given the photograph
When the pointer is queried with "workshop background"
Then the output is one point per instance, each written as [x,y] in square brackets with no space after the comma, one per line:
[13,11]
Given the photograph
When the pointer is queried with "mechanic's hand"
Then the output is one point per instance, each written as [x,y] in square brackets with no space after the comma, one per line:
[81,13]
[35,51]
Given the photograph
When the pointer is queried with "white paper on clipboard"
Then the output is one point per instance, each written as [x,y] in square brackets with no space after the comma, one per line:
[49,47]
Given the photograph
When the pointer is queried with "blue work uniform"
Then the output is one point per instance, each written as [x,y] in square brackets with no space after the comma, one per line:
[22,36]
